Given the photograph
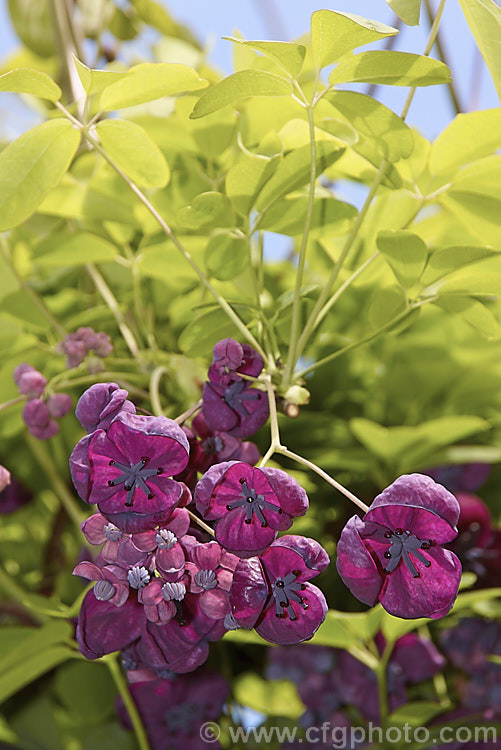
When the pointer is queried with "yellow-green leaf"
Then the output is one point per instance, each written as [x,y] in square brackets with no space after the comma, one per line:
[240,86]
[27,81]
[226,256]
[83,248]
[334,33]
[95,81]
[390,68]
[407,10]
[150,81]
[206,211]
[468,137]
[132,149]
[31,166]
[484,20]
[406,253]
[288,55]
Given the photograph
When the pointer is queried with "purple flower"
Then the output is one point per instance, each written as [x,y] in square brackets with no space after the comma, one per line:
[250,505]
[36,416]
[30,382]
[174,710]
[230,403]
[167,544]
[394,554]
[59,404]
[211,573]
[462,477]
[126,470]
[77,345]
[111,582]
[119,548]
[159,598]
[14,494]
[99,405]
[103,627]
[271,592]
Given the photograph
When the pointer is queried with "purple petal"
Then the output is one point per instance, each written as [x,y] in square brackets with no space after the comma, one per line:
[312,553]
[93,528]
[103,628]
[100,404]
[217,413]
[171,562]
[423,523]
[205,487]
[241,538]
[206,556]
[292,498]
[420,491]
[285,631]
[356,566]
[215,603]
[249,592]
[80,468]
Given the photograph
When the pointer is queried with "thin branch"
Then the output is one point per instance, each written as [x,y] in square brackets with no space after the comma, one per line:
[444,57]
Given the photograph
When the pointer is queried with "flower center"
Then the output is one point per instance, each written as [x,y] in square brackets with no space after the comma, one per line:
[284,591]
[403,544]
[133,476]
[206,579]
[138,577]
[237,393]
[165,539]
[253,503]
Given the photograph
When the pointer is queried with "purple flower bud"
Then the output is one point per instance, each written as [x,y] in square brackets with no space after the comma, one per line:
[59,404]
[31,384]
[100,404]
[36,416]
[4,478]
[21,370]
[101,345]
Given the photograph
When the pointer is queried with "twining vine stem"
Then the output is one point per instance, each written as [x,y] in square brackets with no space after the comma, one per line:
[111,661]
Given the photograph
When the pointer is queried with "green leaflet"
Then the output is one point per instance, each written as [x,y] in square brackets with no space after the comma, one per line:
[390,68]
[385,130]
[226,256]
[468,137]
[484,20]
[247,177]
[27,81]
[407,10]
[132,149]
[334,33]
[150,81]
[207,211]
[81,249]
[32,20]
[272,697]
[406,253]
[31,166]
[240,86]
[288,55]
[474,312]
[95,81]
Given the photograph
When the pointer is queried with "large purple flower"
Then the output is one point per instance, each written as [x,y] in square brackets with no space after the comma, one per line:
[126,470]
[250,505]
[394,554]
[231,403]
[271,592]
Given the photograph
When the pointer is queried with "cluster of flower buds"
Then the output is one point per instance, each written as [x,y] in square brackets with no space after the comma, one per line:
[76,346]
[40,412]
[162,591]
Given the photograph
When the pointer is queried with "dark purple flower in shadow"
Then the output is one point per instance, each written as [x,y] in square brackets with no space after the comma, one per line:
[37,418]
[478,544]
[100,404]
[211,570]
[461,477]
[126,470]
[111,582]
[13,494]
[395,554]
[272,592]
[174,710]
[249,505]
[230,403]
[103,628]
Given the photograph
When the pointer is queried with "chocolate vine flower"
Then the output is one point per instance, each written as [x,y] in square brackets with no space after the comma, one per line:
[211,572]
[272,592]
[126,470]
[99,405]
[230,403]
[395,554]
[111,582]
[248,504]
[166,544]
[103,627]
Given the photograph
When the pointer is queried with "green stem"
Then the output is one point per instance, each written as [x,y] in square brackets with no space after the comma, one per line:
[296,305]
[108,296]
[275,432]
[181,419]
[111,661]
[28,289]
[201,523]
[170,234]
[382,685]
[12,402]
[154,390]
[46,463]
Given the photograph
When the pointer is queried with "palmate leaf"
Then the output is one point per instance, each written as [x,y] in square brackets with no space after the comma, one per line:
[31,166]
[390,68]
[240,85]
[333,34]
[27,81]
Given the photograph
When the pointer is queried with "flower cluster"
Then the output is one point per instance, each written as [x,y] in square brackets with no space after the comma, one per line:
[40,411]
[395,554]
[76,346]
[163,591]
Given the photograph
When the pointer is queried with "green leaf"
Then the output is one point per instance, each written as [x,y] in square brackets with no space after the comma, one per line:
[32,21]
[247,177]
[81,249]
[468,137]
[334,33]
[406,253]
[240,86]
[132,149]
[86,689]
[150,81]
[271,697]
[95,81]
[340,129]
[386,130]
[26,81]
[288,55]
[386,304]
[294,171]
[478,213]
[287,216]
[416,713]
[202,333]
[407,10]
[207,210]
[484,279]
[484,20]
[226,256]
[31,166]
[390,68]
[476,314]
[450,259]
[394,628]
